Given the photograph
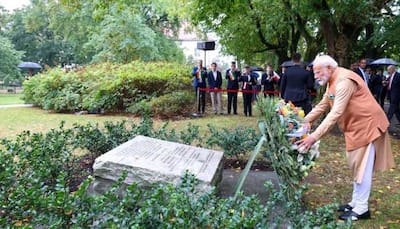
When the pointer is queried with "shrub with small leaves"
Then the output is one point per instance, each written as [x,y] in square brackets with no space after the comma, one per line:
[235,143]
[36,171]
[113,87]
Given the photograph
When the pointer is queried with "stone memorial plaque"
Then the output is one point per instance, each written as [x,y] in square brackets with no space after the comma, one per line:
[148,160]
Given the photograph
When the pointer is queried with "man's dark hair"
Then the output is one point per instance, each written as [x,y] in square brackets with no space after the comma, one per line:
[296,57]
[233,62]
[361,59]
[213,63]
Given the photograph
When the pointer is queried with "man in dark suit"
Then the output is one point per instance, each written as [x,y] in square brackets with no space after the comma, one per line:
[360,70]
[232,75]
[296,83]
[393,93]
[375,84]
[214,83]
[268,80]
[248,79]
[199,74]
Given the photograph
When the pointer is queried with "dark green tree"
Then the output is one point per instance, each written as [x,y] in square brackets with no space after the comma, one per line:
[85,31]
[255,29]
[9,59]
[344,29]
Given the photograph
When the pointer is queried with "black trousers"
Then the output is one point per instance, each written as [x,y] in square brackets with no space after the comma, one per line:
[394,110]
[382,96]
[247,97]
[201,102]
[232,101]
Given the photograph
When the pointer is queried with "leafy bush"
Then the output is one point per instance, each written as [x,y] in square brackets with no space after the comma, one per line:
[173,104]
[37,171]
[235,143]
[141,108]
[106,86]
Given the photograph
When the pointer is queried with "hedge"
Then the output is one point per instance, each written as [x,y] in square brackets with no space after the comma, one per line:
[107,87]
[38,188]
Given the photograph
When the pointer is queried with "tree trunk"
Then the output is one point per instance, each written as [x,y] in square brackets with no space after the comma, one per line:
[343,47]
[313,48]
[282,56]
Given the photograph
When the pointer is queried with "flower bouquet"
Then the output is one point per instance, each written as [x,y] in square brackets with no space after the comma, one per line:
[291,119]
[281,127]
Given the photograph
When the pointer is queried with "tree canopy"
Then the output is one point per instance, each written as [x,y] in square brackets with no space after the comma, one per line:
[90,31]
[82,31]
[9,60]
[346,30]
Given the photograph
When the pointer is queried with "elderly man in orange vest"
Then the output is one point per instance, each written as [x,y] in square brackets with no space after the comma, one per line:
[364,124]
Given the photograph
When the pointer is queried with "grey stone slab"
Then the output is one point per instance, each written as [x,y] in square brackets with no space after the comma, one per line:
[148,161]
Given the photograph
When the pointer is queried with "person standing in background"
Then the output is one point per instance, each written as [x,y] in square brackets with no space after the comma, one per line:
[296,83]
[393,91]
[199,74]
[360,70]
[248,79]
[214,83]
[375,83]
[383,91]
[268,80]
[232,76]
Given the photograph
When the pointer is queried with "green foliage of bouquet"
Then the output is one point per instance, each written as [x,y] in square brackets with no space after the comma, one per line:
[40,174]
[282,128]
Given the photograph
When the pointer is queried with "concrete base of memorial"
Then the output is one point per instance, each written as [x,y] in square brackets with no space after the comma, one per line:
[254,183]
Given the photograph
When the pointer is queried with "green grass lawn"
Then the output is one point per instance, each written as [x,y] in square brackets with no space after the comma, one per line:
[11,98]
[330,181]
[16,120]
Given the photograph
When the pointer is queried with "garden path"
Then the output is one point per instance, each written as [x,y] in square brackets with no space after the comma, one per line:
[15,105]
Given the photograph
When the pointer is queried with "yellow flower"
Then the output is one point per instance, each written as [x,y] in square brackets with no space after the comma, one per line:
[301,113]
[285,111]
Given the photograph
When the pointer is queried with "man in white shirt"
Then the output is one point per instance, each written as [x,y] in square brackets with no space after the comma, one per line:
[214,83]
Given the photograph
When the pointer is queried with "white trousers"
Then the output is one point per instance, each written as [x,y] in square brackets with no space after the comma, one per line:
[361,191]
[216,105]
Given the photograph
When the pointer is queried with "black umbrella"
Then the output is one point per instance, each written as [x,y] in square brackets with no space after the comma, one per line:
[288,63]
[29,65]
[384,61]
[369,61]
[256,68]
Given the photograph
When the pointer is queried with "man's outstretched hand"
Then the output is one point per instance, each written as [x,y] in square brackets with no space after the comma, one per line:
[306,143]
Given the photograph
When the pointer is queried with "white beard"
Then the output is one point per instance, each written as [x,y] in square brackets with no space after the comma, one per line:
[324,79]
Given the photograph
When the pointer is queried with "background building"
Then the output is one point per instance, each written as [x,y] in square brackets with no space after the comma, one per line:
[188,42]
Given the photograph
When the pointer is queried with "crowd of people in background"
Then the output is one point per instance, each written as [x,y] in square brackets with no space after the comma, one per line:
[294,83]
[382,86]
